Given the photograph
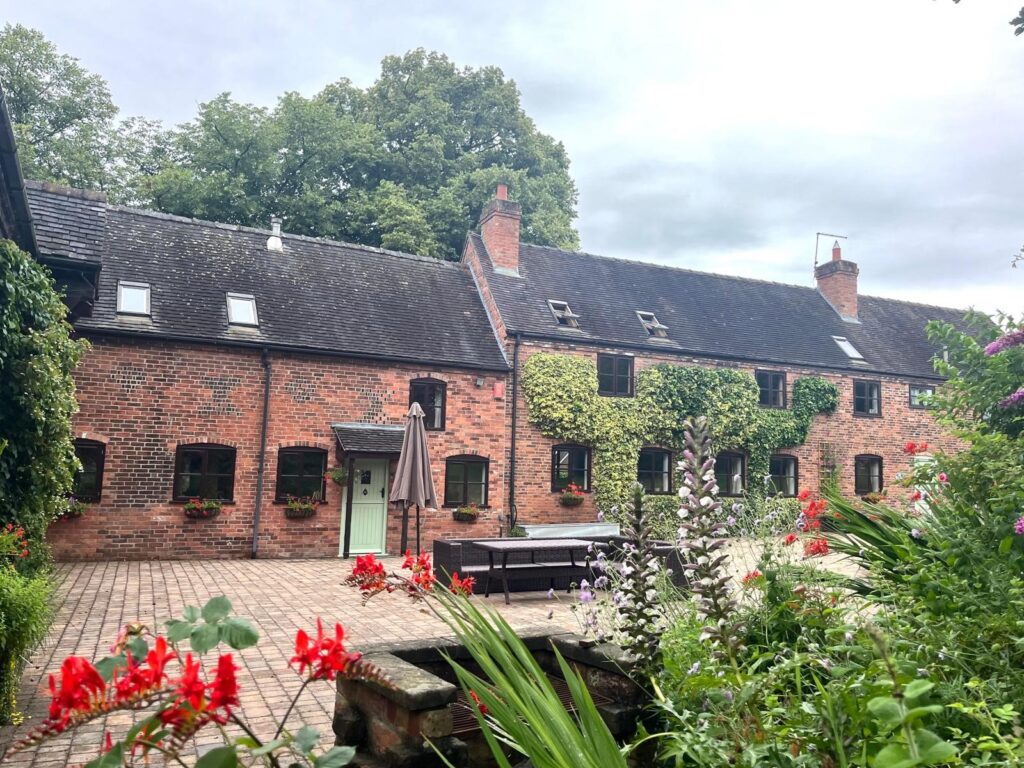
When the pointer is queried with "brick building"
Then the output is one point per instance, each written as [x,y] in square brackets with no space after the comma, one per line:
[243,365]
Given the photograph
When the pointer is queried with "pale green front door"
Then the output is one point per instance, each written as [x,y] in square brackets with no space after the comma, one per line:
[369,506]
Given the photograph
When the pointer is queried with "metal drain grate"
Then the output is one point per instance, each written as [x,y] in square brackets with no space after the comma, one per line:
[464,720]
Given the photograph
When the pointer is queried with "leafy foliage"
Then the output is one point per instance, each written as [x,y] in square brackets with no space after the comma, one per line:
[561,393]
[24,618]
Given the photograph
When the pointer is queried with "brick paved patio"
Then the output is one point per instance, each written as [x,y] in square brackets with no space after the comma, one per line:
[96,599]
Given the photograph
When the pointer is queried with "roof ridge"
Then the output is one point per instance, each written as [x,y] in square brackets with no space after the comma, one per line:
[61,189]
[284,235]
[913,303]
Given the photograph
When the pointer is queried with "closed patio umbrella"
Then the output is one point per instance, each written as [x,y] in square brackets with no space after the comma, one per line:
[413,481]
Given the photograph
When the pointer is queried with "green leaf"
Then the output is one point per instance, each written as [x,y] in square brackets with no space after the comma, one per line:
[306,738]
[932,749]
[238,633]
[191,613]
[219,757]
[335,757]
[216,609]
[917,713]
[895,756]
[1005,545]
[887,711]
[179,630]
[112,759]
[918,688]
[107,666]
[139,647]
[204,637]
[268,747]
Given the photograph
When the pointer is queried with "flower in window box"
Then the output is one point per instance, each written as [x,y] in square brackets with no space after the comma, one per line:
[467,513]
[299,507]
[572,496]
[201,509]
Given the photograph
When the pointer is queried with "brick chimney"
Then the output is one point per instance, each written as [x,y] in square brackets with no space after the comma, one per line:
[837,282]
[499,228]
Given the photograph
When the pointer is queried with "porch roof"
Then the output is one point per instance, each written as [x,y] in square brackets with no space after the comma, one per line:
[369,438]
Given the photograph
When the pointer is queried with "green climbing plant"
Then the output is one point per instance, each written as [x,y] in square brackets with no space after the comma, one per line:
[561,395]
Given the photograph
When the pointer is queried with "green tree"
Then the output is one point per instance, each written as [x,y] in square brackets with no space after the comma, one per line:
[37,399]
[407,163]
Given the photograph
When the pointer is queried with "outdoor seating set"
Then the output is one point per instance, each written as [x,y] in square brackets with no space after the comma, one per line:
[537,564]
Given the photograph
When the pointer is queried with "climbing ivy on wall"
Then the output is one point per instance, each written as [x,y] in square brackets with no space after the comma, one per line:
[561,395]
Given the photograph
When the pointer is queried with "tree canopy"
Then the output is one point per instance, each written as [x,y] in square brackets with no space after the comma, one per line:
[406,163]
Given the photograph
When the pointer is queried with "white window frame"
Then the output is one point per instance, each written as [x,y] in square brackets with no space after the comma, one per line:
[122,285]
[252,301]
[650,323]
[851,351]
[563,313]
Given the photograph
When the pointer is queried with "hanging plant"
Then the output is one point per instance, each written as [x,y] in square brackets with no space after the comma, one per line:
[75,509]
[572,496]
[201,509]
[300,507]
[337,475]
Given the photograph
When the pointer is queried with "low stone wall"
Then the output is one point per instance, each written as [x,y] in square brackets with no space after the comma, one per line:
[391,726]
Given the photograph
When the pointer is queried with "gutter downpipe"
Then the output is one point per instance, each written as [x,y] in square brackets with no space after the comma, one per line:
[513,518]
[258,507]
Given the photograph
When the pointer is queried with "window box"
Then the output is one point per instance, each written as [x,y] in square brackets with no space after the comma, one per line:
[466,514]
[572,496]
[201,509]
[300,508]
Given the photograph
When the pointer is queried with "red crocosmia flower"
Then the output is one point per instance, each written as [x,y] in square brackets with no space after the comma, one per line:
[422,579]
[790,539]
[224,689]
[805,494]
[81,687]
[325,657]
[816,548]
[479,704]
[108,743]
[369,575]
[752,576]
[191,689]
[462,586]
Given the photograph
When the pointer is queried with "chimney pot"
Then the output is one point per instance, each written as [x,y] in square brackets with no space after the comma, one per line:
[837,252]
[274,241]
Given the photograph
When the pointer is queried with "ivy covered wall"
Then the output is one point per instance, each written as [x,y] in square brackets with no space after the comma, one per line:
[561,396]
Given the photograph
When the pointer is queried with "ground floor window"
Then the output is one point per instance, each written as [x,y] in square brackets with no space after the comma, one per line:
[300,473]
[89,479]
[867,474]
[731,473]
[465,481]
[570,464]
[783,475]
[654,470]
[204,472]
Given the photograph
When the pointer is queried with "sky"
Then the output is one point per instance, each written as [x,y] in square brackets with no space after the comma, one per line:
[718,135]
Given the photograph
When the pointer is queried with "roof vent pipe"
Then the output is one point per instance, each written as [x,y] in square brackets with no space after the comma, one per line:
[274,241]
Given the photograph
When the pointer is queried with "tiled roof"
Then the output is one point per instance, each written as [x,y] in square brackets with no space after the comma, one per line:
[707,314]
[315,295]
[369,438]
[68,222]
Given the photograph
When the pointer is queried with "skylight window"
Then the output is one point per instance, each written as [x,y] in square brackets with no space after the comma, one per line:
[563,314]
[242,309]
[652,326]
[848,348]
[132,298]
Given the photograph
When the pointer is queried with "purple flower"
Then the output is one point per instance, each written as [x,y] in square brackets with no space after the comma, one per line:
[916,533]
[1018,527]
[586,596]
[1012,339]
[1015,399]
[601,582]
[551,593]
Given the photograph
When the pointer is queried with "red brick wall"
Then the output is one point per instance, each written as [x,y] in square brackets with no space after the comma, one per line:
[499,228]
[846,434]
[837,282]
[143,398]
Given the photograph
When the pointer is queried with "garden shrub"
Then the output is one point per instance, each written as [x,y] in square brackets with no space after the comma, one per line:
[24,618]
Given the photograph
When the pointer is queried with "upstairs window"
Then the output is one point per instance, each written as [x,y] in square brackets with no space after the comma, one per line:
[570,464]
[731,473]
[300,473]
[654,470]
[771,387]
[88,483]
[848,349]
[867,474]
[651,325]
[615,375]
[563,314]
[782,471]
[132,298]
[465,481]
[867,398]
[431,394]
[242,310]
[204,472]
[920,395]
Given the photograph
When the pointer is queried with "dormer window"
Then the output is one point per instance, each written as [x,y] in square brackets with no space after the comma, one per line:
[242,310]
[848,348]
[132,298]
[563,314]
[652,326]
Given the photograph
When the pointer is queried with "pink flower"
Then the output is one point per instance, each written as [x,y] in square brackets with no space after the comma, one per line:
[1012,339]
[943,477]
[1018,527]
[1015,399]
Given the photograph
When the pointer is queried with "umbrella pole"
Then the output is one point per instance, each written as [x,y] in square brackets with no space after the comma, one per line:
[405,529]
[417,529]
